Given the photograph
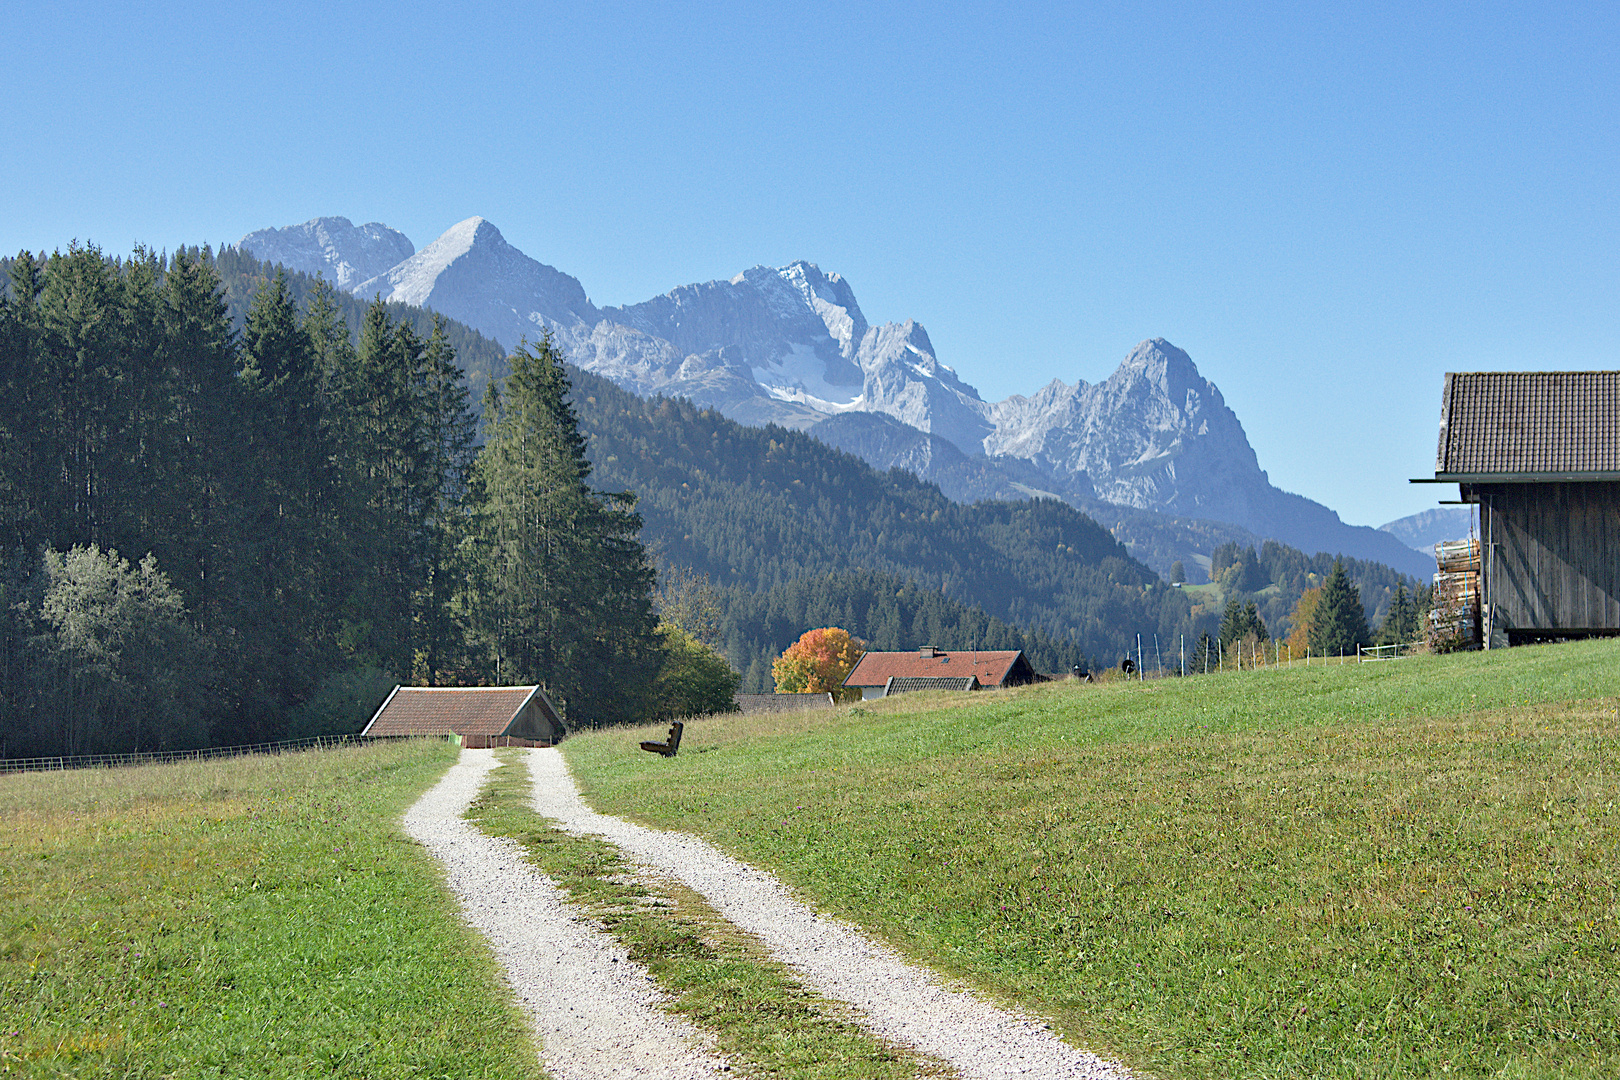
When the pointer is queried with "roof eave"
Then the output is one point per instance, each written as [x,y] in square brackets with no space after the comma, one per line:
[1590,476]
[380,709]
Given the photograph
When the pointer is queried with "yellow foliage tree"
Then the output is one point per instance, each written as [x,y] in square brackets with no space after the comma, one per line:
[1300,621]
[818,663]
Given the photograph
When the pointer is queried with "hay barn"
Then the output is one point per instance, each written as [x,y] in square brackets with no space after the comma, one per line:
[1539,453]
[482,716]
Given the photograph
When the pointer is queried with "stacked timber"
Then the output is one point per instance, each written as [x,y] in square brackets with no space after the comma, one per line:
[1454,621]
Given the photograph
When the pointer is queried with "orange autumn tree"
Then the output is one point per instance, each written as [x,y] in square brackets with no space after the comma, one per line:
[818,663]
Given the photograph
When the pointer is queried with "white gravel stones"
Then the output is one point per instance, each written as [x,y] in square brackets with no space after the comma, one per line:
[597,1015]
[900,1001]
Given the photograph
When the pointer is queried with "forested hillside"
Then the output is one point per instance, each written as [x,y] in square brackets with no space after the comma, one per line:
[758,508]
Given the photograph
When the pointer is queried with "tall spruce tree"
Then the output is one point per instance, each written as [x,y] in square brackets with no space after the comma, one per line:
[563,590]
[201,350]
[450,434]
[286,496]
[383,447]
[1339,623]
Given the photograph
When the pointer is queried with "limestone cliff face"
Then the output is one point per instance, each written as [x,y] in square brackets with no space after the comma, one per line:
[333,247]
[1155,435]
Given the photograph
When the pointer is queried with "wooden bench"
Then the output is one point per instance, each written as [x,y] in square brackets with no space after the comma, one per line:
[668,749]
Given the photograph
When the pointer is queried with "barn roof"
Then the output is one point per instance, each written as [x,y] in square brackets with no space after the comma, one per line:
[990,668]
[438,710]
[1529,425]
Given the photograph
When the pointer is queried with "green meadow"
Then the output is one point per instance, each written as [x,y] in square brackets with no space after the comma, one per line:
[253,917]
[1377,870]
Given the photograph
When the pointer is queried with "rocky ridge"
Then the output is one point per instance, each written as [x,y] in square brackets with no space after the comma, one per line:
[344,253]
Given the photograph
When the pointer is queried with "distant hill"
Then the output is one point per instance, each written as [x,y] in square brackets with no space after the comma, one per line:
[1423,530]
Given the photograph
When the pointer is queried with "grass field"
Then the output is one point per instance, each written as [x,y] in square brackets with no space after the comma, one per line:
[256,917]
[1399,869]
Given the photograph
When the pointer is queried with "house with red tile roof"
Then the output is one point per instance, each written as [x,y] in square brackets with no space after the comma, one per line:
[481,715]
[989,670]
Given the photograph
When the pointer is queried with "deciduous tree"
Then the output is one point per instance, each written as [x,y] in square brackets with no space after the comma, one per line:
[818,663]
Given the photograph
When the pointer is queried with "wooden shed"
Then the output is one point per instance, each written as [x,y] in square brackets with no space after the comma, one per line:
[481,715]
[1539,452]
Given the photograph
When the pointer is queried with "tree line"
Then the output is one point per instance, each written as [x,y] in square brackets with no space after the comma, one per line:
[227,534]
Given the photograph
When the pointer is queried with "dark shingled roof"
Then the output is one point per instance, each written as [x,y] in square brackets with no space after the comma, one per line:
[420,710]
[900,685]
[1532,423]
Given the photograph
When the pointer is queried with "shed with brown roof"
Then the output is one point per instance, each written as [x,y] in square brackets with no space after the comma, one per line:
[989,669]
[1539,452]
[481,715]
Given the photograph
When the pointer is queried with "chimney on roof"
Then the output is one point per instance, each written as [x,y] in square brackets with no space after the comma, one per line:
[926,652]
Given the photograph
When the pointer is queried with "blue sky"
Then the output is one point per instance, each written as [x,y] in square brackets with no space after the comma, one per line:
[1328,209]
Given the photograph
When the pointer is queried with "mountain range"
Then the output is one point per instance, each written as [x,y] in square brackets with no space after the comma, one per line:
[790,346]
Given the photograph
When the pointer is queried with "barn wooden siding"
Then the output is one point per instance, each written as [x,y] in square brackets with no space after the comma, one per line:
[1552,555]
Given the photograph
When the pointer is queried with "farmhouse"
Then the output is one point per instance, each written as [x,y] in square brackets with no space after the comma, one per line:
[481,715]
[1539,452]
[929,668]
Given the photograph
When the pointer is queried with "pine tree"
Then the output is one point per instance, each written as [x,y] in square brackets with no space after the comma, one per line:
[201,349]
[563,591]
[1339,623]
[1242,623]
[382,444]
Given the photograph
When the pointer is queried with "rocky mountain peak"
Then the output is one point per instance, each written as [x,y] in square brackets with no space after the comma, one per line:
[333,247]
[831,298]
[455,274]
[1160,368]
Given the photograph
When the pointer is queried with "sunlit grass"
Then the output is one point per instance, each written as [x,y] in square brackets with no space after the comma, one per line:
[259,917]
[1368,870]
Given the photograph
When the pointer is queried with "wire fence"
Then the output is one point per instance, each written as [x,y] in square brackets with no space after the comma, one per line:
[165,757]
[1152,660]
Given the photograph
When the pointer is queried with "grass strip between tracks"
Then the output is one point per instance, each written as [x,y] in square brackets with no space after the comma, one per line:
[721,978]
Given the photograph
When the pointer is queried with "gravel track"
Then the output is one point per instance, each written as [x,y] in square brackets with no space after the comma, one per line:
[597,1015]
[899,1001]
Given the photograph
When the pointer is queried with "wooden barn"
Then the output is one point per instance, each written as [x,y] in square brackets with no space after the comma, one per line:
[1539,453]
[935,669]
[481,715]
